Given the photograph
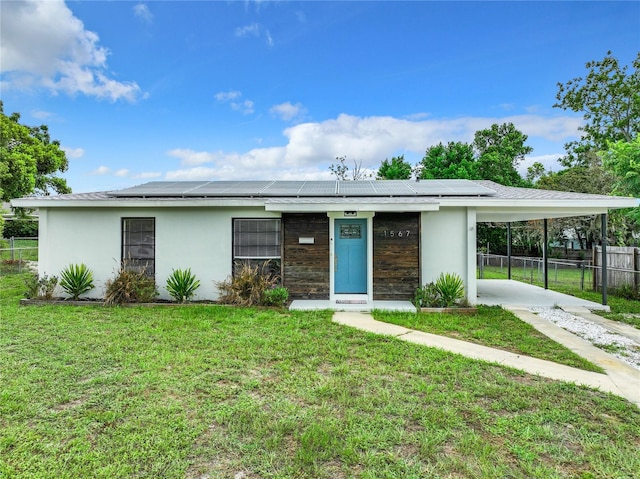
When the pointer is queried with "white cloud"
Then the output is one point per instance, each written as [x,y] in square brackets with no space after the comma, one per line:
[225,96]
[311,147]
[42,44]
[288,111]
[148,175]
[123,173]
[41,114]
[73,153]
[142,11]
[550,162]
[233,98]
[255,30]
[101,170]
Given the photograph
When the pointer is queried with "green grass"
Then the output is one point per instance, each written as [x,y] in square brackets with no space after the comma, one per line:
[494,327]
[184,392]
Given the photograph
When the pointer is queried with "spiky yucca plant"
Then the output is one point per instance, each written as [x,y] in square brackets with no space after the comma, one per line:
[182,284]
[450,287]
[76,279]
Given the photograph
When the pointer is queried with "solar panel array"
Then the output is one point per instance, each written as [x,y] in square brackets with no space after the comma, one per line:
[373,188]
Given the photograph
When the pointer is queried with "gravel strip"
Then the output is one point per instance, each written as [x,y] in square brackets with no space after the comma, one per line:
[619,346]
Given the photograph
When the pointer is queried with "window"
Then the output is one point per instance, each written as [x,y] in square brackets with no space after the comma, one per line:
[139,244]
[256,238]
[256,241]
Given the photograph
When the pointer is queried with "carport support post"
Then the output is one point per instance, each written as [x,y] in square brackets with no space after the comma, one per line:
[509,250]
[603,234]
[545,254]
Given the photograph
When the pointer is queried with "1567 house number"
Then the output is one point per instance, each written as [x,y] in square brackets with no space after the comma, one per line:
[396,233]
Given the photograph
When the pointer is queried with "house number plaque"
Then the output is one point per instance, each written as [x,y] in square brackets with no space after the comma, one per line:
[396,233]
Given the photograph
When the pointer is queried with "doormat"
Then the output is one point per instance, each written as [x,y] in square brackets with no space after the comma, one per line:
[351,301]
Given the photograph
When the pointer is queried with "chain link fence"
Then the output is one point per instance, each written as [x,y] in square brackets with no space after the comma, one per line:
[571,273]
[18,255]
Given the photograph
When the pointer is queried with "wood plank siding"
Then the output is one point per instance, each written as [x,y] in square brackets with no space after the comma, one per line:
[305,267]
[396,255]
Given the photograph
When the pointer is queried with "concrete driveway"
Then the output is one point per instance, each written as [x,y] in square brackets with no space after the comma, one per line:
[504,292]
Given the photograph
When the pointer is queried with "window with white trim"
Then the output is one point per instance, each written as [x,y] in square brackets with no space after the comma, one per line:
[139,244]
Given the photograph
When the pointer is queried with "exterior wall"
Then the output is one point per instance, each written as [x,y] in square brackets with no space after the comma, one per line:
[396,255]
[305,267]
[448,245]
[196,238]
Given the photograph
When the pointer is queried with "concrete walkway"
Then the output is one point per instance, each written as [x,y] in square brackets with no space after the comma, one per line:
[620,378]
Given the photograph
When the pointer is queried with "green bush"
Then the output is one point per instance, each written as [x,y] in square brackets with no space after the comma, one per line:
[76,279]
[130,286]
[427,297]
[450,287]
[40,288]
[446,291]
[247,286]
[277,296]
[627,291]
[20,228]
[182,285]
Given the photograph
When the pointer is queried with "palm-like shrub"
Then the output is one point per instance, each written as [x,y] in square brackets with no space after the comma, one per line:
[247,286]
[76,279]
[182,284]
[450,288]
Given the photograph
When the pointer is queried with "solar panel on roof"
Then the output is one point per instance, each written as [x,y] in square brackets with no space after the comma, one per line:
[372,188]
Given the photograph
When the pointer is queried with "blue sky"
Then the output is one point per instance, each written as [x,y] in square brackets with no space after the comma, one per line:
[162,90]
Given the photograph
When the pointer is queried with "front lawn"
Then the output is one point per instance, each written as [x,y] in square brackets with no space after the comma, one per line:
[491,326]
[211,391]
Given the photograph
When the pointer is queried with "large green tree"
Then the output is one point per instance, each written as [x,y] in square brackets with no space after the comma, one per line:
[609,99]
[590,177]
[29,160]
[453,160]
[396,169]
[500,150]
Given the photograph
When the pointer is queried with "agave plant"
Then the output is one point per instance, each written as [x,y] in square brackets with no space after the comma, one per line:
[450,287]
[76,279]
[182,284]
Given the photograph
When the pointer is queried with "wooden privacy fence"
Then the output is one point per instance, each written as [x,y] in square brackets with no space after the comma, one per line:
[623,267]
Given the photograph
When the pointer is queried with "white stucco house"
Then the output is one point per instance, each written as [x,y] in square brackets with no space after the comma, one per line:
[331,240]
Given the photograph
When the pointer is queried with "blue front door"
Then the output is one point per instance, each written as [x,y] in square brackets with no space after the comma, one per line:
[350,257]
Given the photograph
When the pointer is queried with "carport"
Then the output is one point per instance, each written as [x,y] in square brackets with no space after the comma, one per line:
[523,204]
[505,292]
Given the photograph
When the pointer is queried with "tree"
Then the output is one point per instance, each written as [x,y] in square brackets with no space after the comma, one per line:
[591,178]
[29,160]
[396,169]
[623,160]
[535,172]
[453,160]
[609,99]
[500,150]
[341,170]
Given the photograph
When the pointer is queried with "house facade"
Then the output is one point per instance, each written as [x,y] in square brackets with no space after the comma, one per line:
[330,240]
